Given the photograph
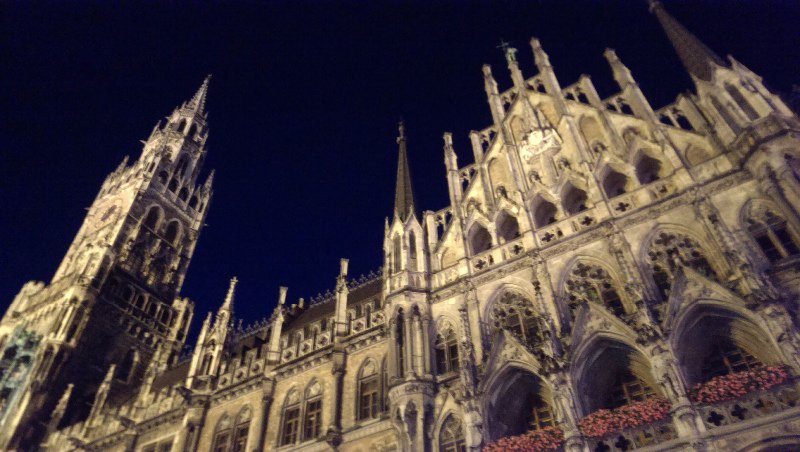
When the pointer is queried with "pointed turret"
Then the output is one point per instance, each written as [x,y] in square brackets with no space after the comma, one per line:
[227,305]
[198,102]
[404,195]
[698,59]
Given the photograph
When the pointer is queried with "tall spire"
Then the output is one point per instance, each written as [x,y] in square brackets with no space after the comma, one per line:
[228,304]
[695,56]
[404,195]
[198,101]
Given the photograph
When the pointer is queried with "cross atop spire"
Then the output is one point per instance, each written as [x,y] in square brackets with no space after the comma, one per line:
[198,101]
[695,56]
[509,52]
[404,195]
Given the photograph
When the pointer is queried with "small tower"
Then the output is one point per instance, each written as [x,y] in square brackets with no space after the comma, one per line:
[731,95]
[114,298]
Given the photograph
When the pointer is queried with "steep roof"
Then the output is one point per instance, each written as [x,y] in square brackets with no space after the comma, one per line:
[695,56]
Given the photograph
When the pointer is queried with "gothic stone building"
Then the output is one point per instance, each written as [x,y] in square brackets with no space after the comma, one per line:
[596,253]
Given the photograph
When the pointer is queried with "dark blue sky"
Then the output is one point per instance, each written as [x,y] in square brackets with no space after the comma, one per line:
[303,110]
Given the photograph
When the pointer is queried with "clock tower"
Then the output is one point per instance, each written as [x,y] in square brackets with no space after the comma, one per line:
[113,307]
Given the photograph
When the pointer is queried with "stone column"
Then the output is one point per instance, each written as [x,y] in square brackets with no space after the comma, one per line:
[261,417]
[426,346]
[408,345]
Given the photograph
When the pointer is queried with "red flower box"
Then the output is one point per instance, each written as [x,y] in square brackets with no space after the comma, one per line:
[544,439]
[734,385]
[604,422]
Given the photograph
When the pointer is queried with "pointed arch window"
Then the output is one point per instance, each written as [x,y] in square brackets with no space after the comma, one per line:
[648,169]
[615,184]
[479,239]
[241,431]
[727,357]
[369,392]
[312,419]
[152,218]
[290,428]
[451,436]
[670,251]
[173,232]
[725,115]
[397,257]
[574,200]
[772,235]
[446,352]
[592,284]
[514,313]
[507,227]
[541,413]
[126,366]
[400,338]
[741,101]
[544,214]
[222,437]
[628,388]
[183,164]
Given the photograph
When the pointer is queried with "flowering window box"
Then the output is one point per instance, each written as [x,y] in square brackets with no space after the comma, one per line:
[741,396]
[541,440]
[737,384]
[605,422]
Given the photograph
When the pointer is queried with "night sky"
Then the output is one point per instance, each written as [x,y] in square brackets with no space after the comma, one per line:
[303,105]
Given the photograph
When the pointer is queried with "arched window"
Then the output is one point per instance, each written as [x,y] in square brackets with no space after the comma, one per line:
[772,235]
[400,338]
[515,314]
[507,227]
[648,170]
[173,232]
[152,218]
[626,389]
[544,214]
[574,200]
[451,437]
[173,185]
[222,435]
[397,257]
[740,100]
[479,239]
[446,352]
[290,428]
[162,177]
[725,115]
[241,430]
[312,419]
[180,168]
[726,357]
[140,301]
[614,375]
[192,131]
[615,184]
[182,125]
[669,251]
[193,202]
[183,194]
[369,392]
[592,284]
[125,368]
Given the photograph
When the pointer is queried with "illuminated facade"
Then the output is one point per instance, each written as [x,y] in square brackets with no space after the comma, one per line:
[598,254]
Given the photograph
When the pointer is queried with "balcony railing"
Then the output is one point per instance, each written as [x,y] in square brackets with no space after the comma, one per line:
[750,406]
[636,437]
